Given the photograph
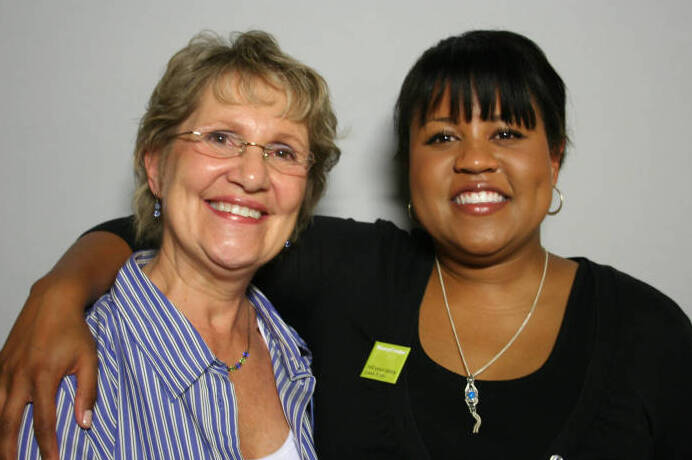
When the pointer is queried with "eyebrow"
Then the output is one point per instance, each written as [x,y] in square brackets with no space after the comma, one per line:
[494,117]
[449,120]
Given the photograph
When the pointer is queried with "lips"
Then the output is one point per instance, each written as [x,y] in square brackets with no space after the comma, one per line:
[479,197]
[236,209]
[480,200]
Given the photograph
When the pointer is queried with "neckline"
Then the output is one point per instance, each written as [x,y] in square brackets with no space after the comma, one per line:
[555,353]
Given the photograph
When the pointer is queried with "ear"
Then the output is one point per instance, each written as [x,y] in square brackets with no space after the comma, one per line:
[555,160]
[152,164]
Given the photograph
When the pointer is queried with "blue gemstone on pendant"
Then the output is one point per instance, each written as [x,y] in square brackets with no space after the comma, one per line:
[471,394]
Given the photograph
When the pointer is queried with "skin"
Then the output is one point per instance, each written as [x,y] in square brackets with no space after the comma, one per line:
[206,261]
[208,257]
[491,259]
[490,252]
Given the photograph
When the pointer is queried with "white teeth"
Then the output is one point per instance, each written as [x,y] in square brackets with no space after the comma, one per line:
[479,197]
[235,209]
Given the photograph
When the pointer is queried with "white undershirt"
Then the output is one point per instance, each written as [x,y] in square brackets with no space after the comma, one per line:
[287,451]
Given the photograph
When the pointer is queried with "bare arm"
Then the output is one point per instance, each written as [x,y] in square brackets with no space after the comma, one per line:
[50,339]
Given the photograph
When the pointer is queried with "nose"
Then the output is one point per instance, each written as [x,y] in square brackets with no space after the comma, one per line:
[251,172]
[475,157]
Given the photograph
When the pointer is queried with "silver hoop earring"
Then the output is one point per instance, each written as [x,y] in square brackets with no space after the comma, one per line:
[411,212]
[562,201]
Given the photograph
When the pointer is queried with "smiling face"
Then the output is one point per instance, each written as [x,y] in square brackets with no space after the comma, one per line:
[480,188]
[234,213]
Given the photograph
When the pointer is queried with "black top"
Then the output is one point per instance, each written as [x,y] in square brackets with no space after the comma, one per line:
[616,385]
[520,416]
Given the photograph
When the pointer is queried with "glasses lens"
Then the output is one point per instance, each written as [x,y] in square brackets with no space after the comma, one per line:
[286,160]
[221,144]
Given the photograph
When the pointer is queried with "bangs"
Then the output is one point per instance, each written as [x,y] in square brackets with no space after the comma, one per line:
[245,86]
[482,80]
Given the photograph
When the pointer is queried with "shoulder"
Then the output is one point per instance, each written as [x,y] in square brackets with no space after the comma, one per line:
[74,442]
[644,312]
[103,321]
[340,228]
[335,246]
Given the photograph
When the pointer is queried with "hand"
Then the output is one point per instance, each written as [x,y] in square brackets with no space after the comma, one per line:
[49,340]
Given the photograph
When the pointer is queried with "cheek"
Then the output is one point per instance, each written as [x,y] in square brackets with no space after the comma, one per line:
[185,179]
[427,174]
[289,192]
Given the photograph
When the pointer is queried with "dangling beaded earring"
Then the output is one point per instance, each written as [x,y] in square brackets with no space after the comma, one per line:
[157,209]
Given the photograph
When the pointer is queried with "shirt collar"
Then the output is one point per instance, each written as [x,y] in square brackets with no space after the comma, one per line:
[174,348]
[294,351]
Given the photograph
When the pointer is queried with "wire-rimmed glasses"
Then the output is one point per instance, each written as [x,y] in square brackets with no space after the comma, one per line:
[227,144]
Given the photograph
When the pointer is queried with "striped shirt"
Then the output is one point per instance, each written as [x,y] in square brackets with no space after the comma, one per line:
[162,394]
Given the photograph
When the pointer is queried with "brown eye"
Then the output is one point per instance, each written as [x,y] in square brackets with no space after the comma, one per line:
[441,138]
[508,134]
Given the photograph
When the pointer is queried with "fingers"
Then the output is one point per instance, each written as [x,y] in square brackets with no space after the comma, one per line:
[10,419]
[85,398]
[3,390]
[44,413]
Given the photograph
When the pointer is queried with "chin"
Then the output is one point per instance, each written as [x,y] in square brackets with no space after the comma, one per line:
[478,249]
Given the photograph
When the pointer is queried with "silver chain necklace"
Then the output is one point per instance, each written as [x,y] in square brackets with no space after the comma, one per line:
[470,391]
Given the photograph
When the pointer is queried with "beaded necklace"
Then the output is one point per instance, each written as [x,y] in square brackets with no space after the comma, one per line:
[246,354]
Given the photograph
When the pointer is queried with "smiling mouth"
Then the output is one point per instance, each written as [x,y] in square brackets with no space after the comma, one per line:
[235,209]
[482,197]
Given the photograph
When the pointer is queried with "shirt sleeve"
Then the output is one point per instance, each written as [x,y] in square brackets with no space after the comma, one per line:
[122,227]
[671,400]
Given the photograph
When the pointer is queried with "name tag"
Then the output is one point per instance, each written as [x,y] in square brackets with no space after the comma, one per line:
[385,362]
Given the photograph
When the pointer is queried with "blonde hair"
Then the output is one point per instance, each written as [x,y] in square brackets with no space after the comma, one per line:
[249,57]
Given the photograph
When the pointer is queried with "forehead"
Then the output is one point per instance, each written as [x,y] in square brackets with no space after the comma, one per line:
[231,89]
[260,109]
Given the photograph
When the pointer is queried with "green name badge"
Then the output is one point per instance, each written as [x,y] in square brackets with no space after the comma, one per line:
[385,362]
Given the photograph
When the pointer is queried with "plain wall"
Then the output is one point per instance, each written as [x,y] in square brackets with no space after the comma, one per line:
[76,77]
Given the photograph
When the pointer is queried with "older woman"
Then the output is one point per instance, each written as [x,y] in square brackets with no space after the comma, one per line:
[194,362]
[467,339]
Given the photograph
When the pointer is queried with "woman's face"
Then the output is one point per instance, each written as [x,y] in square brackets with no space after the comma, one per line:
[482,188]
[233,213]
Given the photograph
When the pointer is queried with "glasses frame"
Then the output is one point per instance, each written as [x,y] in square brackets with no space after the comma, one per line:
[244,144]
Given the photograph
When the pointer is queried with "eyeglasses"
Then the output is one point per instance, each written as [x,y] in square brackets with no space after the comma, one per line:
[227,144]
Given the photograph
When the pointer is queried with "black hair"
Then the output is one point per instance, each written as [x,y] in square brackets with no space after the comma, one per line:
[484,64]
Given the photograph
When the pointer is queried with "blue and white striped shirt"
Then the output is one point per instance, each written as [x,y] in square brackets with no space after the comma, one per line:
[162,394]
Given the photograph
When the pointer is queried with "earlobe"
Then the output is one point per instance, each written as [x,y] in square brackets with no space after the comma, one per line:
[554,171]
[152,165]
[556,162]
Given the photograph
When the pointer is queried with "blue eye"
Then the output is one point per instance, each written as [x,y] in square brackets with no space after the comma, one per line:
[282,152]
[440,138]
[223,138]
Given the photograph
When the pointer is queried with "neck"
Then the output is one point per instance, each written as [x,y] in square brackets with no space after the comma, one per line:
[507,284]
[210,298]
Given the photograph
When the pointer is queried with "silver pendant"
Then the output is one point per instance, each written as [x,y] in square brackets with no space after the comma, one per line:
[471,398]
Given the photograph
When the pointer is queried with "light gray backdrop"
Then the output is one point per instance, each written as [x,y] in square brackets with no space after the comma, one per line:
[76,76]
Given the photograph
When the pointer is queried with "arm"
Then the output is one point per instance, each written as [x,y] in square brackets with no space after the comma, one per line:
[50,339]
